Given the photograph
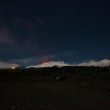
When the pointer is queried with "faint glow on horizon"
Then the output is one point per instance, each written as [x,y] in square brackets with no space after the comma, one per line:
[100,63]
[45,63]
[13,68]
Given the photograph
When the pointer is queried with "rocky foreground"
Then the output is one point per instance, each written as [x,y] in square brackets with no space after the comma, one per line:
[66,88]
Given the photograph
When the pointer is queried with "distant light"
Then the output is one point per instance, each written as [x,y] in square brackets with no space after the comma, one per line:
[13,68]
[46,63]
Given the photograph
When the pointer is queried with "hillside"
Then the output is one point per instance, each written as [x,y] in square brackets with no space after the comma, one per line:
[67,73]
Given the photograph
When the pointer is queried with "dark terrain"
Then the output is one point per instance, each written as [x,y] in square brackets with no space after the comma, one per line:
[66,88]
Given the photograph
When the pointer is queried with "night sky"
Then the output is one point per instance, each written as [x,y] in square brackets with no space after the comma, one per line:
[71,31]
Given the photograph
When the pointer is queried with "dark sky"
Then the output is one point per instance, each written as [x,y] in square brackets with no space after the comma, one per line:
[72,31]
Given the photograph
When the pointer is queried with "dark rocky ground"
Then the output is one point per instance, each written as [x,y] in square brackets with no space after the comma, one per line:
[33,90]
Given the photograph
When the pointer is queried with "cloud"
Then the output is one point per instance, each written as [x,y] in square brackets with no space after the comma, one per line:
[6,37]
[101,63]
[39,20]
[33,60]
[52,63]
[7,65]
